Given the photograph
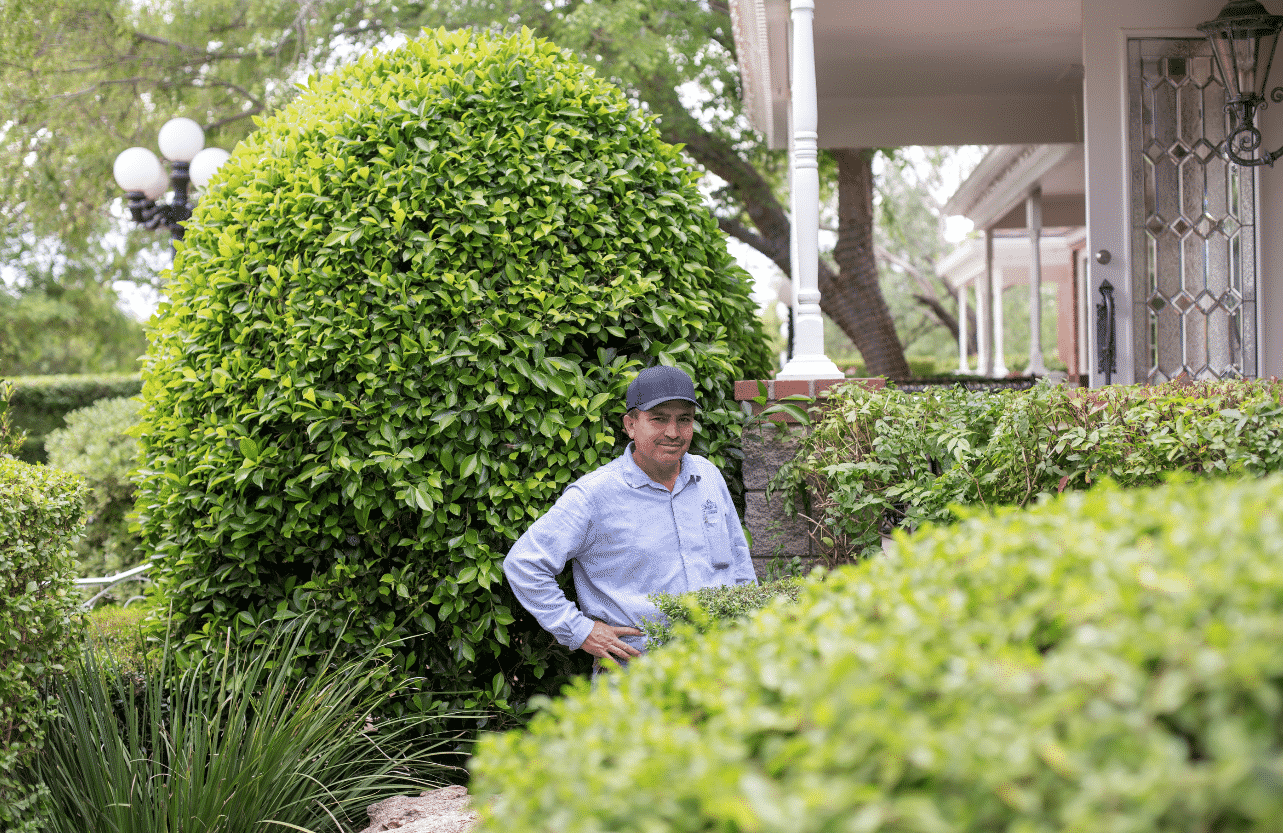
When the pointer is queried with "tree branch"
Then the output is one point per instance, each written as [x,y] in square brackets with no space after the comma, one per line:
[744,234]
[206,55]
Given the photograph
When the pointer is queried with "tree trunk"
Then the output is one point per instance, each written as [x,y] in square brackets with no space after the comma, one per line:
[845,300]
[858,293]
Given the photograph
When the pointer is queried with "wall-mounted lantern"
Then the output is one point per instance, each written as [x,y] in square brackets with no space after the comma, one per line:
[1243,37]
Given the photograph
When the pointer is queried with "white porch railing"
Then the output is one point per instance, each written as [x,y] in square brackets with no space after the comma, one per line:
[108,582]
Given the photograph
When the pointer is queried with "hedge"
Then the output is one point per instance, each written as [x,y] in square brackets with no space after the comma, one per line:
[882,459]
[709,608]
[40,511]
[1105,660]
[40,403]
[98,446]
[401,321]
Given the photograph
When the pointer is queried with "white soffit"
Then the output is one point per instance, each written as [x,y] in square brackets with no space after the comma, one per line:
[931,72]
[1009,173]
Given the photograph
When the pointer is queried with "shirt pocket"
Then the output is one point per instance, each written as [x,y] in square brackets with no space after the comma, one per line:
[715,536]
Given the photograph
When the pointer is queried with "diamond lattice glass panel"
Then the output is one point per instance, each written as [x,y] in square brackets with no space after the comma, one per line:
[1164,125]
[1193,219]
[1193,277]
[1193,190]
[1171,358]
[1217,252]
[1237,348]
[1216,187]
[1196,357]
[1202,72]
[1189,104]
[1236,262]
[1220,360]
[1167,195]
[1168,264]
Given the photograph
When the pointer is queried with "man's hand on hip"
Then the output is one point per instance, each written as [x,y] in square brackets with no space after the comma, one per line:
[603,641]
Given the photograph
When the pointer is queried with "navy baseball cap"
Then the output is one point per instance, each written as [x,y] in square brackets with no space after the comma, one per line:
[656,385]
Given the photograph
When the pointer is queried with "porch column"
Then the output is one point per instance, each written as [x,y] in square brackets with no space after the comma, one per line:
[808,361]
[984,313]
[998,350]
[964,366]
[1033,222]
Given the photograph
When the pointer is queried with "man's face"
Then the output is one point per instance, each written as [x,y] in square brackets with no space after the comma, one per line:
[662,434]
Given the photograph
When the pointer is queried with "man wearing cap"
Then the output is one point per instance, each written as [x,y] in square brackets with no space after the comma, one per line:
[656,519]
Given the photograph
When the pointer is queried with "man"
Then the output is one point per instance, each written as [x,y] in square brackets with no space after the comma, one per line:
[654,520]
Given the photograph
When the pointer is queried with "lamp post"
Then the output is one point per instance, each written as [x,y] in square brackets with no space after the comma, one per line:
[1243,37]
[140,173]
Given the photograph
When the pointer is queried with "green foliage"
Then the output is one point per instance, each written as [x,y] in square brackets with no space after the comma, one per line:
[118,638]
[66,325]
[40,404]
[40,511]
[97,446]
[234,743]
[72,63]
[711,607]
[10,439]
[402,321]
[882,459]
[1105,661]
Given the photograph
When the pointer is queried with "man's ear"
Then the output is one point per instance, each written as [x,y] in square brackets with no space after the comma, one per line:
[630,422]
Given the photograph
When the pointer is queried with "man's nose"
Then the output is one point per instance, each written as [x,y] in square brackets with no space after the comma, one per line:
[670,429]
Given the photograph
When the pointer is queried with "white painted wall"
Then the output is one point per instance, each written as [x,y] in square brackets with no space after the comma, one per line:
[1107,24]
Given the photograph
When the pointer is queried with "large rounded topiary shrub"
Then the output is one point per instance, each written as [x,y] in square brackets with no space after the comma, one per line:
[1107,661]
[402,320]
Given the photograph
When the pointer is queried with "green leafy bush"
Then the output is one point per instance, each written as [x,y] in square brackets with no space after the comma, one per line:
[883,459]
[10,439]
[711,607]
[40,403]
[118,636]
[234,744]
[97,446]
[40,511]
[1107,660]
[401,322]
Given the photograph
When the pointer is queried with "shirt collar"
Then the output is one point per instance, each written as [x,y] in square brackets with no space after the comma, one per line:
[636,478]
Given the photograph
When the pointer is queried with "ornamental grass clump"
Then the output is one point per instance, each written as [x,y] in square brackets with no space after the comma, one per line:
[1105,660]
[232,743]
[402,320]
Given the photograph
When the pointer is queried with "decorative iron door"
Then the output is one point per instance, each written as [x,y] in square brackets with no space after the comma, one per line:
[1193,220]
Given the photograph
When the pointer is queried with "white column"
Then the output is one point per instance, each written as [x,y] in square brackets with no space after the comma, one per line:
[983,358]
[999,368]
[809,361]
[964,366]
[1033,222]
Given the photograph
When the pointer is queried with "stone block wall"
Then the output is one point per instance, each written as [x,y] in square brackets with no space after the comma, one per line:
[767,446]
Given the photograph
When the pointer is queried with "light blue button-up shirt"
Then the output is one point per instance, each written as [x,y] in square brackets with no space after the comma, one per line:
[628,537]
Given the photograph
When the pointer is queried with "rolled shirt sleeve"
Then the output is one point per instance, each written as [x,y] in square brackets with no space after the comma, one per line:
[539,556]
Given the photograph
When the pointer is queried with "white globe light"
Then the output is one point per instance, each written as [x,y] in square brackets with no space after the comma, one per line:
[205,164]
[158,188]
[136,169]
[181,139]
